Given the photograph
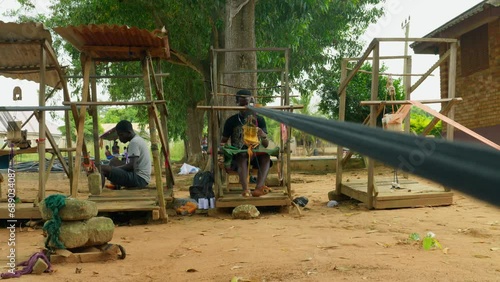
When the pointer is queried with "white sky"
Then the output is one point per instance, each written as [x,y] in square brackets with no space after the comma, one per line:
[425,16]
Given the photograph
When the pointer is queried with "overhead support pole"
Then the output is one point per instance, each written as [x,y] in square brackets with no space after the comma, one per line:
[80,122]
[41,126]
[95,120]
[452,74]
[340,149]
[373,123]
[161,125]
[154,140]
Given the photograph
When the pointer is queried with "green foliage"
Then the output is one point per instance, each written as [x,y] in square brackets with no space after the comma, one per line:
[87,129]
[358,89]
[319,33]
[114,115]
[419,120]
[176,151]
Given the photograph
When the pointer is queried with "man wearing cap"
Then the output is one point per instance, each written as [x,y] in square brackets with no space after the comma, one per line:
[233,129]
[136,171]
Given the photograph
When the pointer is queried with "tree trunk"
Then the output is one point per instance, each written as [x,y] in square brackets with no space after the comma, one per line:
[194,129]
[239,33]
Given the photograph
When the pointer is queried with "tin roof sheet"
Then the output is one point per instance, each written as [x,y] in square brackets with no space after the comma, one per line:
[116,43]
[20,52]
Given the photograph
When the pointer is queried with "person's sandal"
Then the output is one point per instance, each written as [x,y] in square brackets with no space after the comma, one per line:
[246,193]
[257,192]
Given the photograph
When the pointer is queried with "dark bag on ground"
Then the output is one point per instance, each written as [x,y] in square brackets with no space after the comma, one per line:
[202,187]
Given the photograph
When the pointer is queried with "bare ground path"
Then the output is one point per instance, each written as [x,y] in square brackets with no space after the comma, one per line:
[347,243]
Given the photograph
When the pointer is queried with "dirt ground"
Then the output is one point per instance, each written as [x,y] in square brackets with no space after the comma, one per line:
[345,243]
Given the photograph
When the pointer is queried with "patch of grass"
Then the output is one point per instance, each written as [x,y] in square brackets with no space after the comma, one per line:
[176,150]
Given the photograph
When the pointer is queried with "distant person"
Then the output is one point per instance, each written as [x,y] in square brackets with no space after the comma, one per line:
[108,154]
[115,150]
[135,173]
[204,144]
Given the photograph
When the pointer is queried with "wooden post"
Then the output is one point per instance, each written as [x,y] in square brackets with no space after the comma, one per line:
[86,63]
[154,140]
[452,72]
[340,149]
[95,118]
[41,126]
[373,123]
[214,130]
[164,123]
[407,89]
[289,129]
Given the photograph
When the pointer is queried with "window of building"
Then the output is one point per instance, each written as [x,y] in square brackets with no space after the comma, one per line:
[474,50]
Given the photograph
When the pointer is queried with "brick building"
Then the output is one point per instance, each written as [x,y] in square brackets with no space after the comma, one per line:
[478,67]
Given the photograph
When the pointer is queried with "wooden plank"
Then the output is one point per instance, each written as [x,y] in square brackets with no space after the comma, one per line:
[264,201]
[119,206]
[456,125]
[406,102]
[435,120]
[417,39]
[428,72]
[358,65]
[219,108]
[23,211]
[114,103]
[416,202]
[412,195]
[355,193]
[93,256]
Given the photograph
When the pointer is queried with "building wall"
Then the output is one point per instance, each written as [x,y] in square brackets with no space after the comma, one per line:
[480,108]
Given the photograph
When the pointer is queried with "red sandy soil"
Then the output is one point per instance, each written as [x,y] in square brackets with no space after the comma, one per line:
[346,243]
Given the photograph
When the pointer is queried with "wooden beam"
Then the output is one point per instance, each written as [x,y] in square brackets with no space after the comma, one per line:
[162,126]
[427,73]
[86,62]
[116,103]
[340,149]
[406,102]
[396,74]
[456,125]
[41,126]
[373,121]
[74,110]
[380,58]
[218,108]
[452,74]
[435,120]
[154,141]
[95,117]
[416,39]
[55,148]
[358,65]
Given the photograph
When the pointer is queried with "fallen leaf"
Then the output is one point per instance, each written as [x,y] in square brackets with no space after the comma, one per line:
[371,231]
[191,270]
[327,247]
[481,256]
[236,267]
[307,259]
[494,249]
[445,251]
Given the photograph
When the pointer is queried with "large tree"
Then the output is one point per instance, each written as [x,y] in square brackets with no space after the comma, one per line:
[319,33]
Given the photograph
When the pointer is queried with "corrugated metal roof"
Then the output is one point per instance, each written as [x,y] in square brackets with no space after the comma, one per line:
[20,49]
[115,43]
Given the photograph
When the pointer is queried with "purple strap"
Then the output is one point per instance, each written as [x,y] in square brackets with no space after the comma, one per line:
[29,264]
